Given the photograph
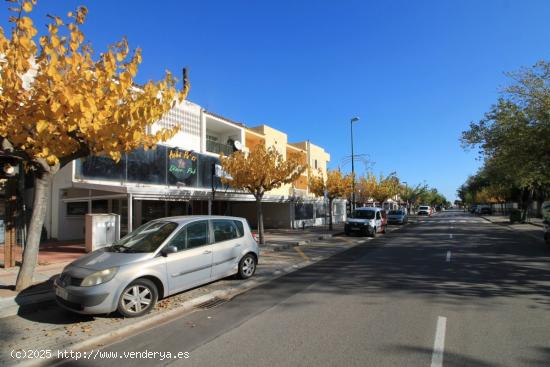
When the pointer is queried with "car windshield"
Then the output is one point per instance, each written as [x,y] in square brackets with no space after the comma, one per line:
[424,207]
[395,212]
[146,238]
[364,214]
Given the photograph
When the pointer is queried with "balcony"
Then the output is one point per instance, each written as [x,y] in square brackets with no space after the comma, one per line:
[218,148]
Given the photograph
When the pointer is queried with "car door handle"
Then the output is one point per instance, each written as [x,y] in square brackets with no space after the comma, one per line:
[239,245]
[206,252]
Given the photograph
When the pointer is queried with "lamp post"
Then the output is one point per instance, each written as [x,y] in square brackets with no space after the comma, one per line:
[407,193]
[354,119]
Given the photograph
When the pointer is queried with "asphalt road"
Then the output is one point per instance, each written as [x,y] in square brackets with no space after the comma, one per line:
[451,290]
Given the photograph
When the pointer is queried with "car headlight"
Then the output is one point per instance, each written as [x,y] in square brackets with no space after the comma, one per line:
[99,277]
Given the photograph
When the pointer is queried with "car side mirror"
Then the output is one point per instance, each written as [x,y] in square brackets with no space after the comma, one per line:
[168,250]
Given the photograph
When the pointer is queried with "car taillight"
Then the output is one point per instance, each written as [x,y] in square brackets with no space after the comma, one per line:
[255,236]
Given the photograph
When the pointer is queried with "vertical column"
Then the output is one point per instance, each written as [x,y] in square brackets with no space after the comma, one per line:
[130,212]
[10,235]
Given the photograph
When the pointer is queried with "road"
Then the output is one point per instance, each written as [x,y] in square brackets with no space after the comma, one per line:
[451,290]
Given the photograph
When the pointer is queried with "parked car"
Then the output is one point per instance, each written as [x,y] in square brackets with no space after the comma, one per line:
[483,209]
[397,216]
[424,210]
[367,221]
[162,257]
[473,208]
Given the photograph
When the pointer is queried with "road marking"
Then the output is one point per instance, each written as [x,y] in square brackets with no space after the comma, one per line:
[451,236]
[299,251]
[439,342]
[449,256]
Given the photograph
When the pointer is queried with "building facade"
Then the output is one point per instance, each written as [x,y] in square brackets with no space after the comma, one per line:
[182,176]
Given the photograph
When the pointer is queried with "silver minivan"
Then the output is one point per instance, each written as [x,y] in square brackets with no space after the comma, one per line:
[162,257]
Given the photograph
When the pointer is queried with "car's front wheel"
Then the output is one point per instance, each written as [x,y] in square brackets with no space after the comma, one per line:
[247,266]
[138,298]
[373,232]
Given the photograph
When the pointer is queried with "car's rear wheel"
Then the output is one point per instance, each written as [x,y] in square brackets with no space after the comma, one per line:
[247,266]
[138,298]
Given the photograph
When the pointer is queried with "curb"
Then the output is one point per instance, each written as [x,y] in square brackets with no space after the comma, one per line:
[275,246]
[181,310]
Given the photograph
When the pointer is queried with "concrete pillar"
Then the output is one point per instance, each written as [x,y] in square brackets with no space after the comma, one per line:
[130,213]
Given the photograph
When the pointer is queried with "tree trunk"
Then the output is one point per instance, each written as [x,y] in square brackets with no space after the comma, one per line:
[260,219]
[30,255]
[330,214]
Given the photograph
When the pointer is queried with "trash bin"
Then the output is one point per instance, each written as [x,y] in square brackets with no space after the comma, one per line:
[516,216]
[101,230]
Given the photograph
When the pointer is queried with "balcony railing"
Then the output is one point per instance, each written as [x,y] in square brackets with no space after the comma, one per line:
[218,148]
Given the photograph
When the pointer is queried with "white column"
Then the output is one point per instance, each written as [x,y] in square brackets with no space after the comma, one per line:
[130,213]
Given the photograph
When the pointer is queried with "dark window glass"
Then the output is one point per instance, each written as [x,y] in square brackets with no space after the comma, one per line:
[148,166]
[377,215]
[197,234]
[182,168]
[364,214]
[240,227]
[224,230]
[303,211]
[179,239]
[100,206]
[176,208]
[146,238]
[205,170]
[77,208]
[320,210]
[101,168]
[152,209]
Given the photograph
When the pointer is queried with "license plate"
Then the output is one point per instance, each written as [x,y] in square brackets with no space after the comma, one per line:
[61,292]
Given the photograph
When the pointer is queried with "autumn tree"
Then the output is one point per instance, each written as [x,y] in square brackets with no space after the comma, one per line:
[58,103]
[259,171]
[366,187]
[387,187]
[335,186]
[412,194]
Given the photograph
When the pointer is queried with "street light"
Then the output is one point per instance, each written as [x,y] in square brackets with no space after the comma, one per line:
[407,193]
[354,119]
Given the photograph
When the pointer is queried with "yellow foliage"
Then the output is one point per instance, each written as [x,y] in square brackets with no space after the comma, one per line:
[336,185]
[56,98]
[261,170]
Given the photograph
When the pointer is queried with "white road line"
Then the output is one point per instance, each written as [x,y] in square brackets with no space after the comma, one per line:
[439,342]
[449,256]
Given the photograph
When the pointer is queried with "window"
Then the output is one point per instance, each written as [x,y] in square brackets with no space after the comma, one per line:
[77,208]
[240,227]
[377,215]
[316,164]
[224,230]
[100,206]
[146,238]
[197,234]
[179,239]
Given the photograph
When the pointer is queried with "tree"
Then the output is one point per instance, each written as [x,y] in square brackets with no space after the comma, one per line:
[387,187]
[59,103]
[412,194]
[261,170]
[366,187]
[335,186]
[514,136]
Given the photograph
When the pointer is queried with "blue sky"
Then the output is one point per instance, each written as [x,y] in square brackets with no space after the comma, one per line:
[415,72]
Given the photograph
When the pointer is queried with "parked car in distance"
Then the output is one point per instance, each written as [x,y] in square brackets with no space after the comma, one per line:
[366,220]
[424,210]
[473,208]
[162,257]
[397,216]
[483,209]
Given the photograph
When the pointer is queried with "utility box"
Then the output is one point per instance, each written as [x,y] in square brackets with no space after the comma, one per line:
[101,230]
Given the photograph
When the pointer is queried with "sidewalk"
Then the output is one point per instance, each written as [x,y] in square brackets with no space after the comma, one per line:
[533,229]
[54,257]
[501,219]
[48,327]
